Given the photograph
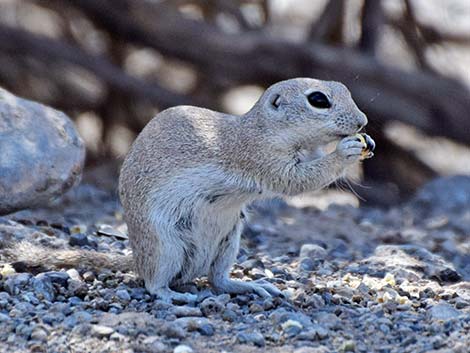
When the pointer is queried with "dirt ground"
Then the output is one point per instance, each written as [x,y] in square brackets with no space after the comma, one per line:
[355,278]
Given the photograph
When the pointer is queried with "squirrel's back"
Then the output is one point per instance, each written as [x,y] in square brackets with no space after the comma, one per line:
[177,139]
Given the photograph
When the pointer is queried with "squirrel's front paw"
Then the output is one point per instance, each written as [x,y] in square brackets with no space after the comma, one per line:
[350,148]
[368,145]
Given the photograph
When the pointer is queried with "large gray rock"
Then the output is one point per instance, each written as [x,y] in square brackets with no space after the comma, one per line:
[41,153]
[441,195]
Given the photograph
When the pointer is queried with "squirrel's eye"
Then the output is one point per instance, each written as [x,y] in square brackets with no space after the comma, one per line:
[319,100]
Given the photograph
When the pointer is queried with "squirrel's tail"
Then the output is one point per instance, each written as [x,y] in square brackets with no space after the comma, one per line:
[25,255]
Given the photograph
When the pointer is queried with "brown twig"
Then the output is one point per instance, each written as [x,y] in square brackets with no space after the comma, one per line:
[371,25]
[432,35]
[329,26]
[413,38]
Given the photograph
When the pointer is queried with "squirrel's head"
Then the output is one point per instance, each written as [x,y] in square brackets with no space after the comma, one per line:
[308,111]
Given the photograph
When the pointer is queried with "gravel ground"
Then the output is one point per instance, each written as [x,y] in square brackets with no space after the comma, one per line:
[355,280]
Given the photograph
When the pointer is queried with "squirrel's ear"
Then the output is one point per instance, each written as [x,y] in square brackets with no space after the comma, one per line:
[275,100]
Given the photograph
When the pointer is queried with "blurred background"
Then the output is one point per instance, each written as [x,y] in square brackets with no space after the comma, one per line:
[112,65]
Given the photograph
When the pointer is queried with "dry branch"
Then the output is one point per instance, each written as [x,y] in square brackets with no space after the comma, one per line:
[329,26]
[19,42]
[383,92]
[372,19]
[413,38]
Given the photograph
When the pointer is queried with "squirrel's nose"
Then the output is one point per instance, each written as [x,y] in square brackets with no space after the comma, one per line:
[361,121]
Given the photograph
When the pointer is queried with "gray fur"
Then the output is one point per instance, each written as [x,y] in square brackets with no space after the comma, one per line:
[191,171]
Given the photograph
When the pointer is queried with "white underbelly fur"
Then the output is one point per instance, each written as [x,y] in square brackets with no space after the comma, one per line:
[188,196]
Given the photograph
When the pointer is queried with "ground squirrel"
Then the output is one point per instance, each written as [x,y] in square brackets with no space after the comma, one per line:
[191,171]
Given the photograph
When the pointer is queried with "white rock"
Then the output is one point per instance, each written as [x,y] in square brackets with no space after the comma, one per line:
[182,349]
[101,331]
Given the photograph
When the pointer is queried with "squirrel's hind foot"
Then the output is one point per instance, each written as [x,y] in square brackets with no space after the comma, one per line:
[264,290]
[167,295]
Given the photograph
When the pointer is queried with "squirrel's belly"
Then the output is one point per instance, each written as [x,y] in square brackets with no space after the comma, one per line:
[214,230]
[197,213]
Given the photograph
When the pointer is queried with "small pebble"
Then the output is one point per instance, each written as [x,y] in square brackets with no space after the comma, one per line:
[291,328]
[348,346]
[444,311]
[229,315]
[255,338]
[58,277]
[173,330]
[123,295]
[89,276]
[78,239]
[256,308]
[183,311]
[307,264]
[183,349]
[211,306]
[4,317]
[312,251]
[73,274]
[115,336]
[101,331]
[39,333]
